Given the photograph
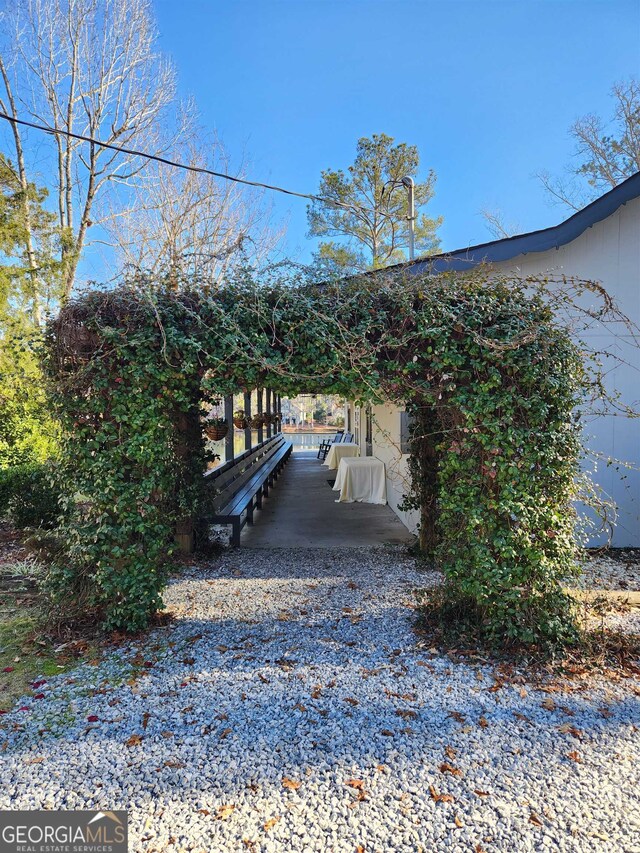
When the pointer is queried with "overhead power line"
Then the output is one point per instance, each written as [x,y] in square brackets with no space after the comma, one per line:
[200,169]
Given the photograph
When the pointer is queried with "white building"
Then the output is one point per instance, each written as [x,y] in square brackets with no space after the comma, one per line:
[601,243]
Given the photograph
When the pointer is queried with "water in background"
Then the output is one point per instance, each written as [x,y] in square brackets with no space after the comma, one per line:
[307,440]
[300,440]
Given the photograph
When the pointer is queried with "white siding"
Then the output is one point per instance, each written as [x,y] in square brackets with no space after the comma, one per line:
[386,447]
[608,252]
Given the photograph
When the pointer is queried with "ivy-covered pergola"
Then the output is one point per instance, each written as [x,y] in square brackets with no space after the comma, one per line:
[488,373]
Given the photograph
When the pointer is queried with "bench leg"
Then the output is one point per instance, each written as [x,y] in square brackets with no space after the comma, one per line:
[250,513]
[259,499]
[235,536]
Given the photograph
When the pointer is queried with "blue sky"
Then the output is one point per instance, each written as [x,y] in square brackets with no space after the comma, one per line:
[485,89]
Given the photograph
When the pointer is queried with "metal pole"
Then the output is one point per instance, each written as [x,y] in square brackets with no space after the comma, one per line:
[409,184]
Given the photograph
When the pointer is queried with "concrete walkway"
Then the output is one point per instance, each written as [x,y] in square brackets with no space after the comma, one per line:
[301,512]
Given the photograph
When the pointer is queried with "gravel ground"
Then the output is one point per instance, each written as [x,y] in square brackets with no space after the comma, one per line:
[620,573]
[604,572]
[288,708]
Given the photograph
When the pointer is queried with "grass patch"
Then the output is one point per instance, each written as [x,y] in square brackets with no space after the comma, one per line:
[23,658]
[29,650]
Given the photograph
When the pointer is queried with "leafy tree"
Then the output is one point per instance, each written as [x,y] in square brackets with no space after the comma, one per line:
[29,275]
[607,152]
[29,284]
[371,220]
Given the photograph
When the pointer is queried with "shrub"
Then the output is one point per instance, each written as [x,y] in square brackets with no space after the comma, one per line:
[29,495]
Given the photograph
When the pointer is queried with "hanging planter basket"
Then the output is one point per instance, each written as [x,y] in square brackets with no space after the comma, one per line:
[239,419]
[257,421]
[216,430]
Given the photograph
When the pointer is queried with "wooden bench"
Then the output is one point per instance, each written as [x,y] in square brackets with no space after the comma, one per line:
[237,488]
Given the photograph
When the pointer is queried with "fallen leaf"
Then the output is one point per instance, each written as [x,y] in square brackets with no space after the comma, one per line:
[358,784]
[548,704]
[533,818]
[351,700]
[174,764]
[92,718]
[568,728]
[406,714]
[457,716]
[445,767]
[269,824]
[263,678]
[483,722]
[299,707]
[386,733]
[145,719]
[458,822]
[481,793]
[439,798]
[450,752]
[574,756]
[520,716]
[133,740]
[224,812]
[224,733]
[291,784]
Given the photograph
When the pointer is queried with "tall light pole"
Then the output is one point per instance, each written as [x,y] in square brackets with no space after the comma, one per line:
[408,183]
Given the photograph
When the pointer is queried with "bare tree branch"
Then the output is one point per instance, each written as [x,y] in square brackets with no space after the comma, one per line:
[90,67]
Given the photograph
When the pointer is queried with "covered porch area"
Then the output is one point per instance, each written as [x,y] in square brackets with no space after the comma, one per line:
[301,512]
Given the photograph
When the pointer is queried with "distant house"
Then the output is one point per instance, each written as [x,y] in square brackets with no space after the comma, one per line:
[602,243]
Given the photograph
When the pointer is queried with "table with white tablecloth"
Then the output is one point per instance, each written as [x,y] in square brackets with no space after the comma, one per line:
[340,451]
[361,480]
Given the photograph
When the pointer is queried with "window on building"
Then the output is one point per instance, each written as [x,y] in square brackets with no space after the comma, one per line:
[405,431]
[368,431]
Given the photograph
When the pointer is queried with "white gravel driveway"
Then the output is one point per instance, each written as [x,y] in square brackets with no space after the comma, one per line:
[288,709]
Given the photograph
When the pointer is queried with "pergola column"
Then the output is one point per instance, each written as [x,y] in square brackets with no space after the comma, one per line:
[247,414]
[229,443]
[259,395]
[268,411]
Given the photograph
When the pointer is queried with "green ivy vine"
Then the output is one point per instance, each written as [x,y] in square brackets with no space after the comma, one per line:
[491,376]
